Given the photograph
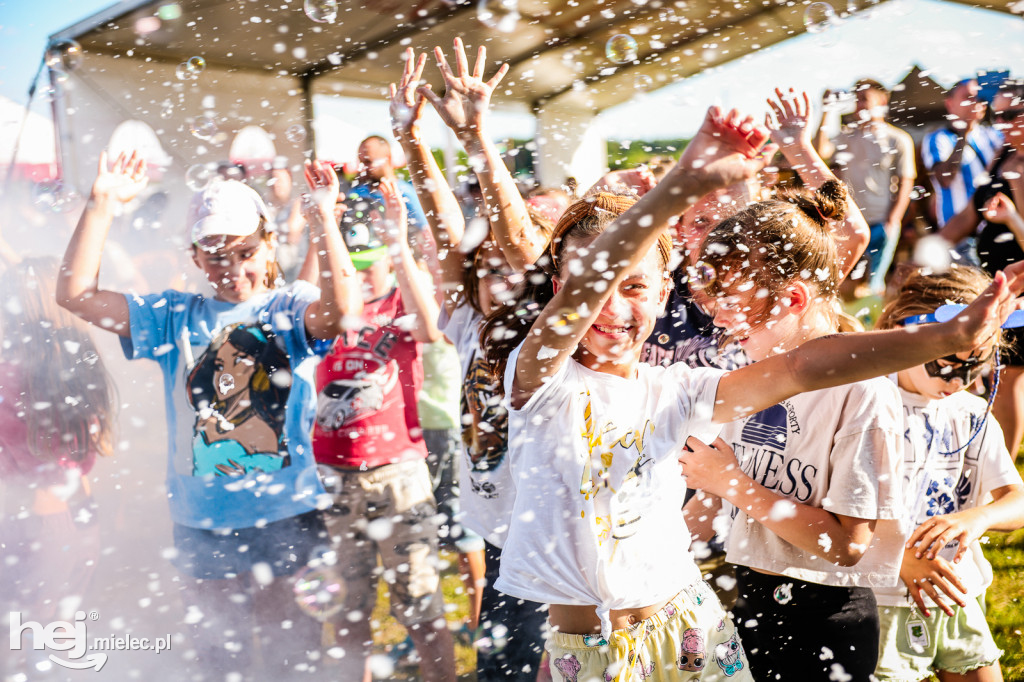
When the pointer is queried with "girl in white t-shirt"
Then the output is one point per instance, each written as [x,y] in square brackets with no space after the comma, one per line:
[597,530]
[815,499]
[960,483]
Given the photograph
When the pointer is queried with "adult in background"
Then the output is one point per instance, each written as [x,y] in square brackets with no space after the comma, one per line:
[958,155]
[876,161]
[375,164]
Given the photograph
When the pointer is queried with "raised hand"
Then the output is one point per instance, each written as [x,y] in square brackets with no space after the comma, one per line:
[123,181]
[932,577]
[1000,209]
[728,148]
[318,204]
[396,220]
[789,121]
[467,96]
[406,104]
[981,320]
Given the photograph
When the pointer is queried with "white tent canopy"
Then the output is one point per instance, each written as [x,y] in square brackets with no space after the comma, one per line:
[265,61]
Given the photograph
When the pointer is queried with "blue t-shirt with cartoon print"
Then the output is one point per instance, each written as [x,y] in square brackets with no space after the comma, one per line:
[240,401]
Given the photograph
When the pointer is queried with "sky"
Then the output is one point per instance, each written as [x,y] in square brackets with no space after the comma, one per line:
[950,40]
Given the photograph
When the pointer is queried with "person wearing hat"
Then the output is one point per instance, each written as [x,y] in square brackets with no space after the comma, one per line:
[238,368]
[368,438]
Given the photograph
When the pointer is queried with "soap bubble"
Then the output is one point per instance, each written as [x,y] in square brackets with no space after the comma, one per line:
[55,196]
[202,127]
[819,16]
[197,177]
[166,109]
[321,11]
[63,55]
[183,73]
[621,49]
[643,82]
[491,638]
[296,134]
[320,591]
[933,252]
[701,275]
[196,65]
[500,15]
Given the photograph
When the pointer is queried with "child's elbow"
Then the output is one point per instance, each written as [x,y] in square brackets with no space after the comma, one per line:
[851,554]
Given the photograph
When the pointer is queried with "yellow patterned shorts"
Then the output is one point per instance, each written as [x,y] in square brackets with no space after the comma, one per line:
[691,638]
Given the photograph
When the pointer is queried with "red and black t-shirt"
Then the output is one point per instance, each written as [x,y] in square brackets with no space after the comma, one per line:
[367,389]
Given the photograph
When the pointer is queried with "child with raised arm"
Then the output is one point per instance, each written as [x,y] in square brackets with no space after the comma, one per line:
[238,386]
[474,279]
[597,529]
[368,432]
[824,464]
[959,483]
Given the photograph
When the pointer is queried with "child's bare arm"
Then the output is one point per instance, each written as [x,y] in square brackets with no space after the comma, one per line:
[78,284]
[1004,513]
[340,291]
[846,358]
[835,537]
[444,215]
[792,132]
[417,296]
[464,108]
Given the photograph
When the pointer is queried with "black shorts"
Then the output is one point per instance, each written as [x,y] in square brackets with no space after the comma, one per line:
[800,631]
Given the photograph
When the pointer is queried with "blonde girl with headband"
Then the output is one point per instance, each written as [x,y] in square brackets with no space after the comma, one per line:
[959,483]
[597,529]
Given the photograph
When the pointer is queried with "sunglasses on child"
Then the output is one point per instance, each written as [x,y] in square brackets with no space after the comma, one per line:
[967,370]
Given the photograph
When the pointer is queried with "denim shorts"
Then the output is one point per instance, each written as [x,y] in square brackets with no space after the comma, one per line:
[286,546]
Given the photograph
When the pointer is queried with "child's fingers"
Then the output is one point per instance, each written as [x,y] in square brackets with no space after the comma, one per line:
[102,167]
[481,61]
[915,593]
[417,73]
[496,78]
[427,93]
[461,63]
[442,64]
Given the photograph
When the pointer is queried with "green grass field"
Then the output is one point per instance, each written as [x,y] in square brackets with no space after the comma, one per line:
[1005,609]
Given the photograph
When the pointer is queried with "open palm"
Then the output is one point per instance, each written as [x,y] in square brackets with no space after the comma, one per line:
[123,181]
[467,96]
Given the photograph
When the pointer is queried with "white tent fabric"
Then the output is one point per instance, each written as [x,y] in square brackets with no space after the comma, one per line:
[37,140]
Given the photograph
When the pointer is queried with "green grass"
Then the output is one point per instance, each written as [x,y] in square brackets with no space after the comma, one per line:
[1006,597]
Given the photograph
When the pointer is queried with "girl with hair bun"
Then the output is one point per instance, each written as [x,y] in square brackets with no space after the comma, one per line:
[814,484]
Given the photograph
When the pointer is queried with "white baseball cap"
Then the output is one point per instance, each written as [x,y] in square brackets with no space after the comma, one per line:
[227,208]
